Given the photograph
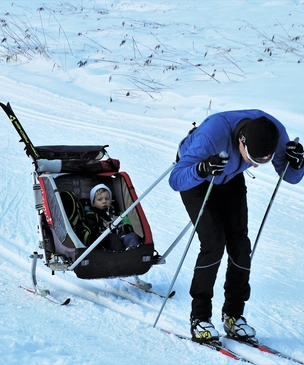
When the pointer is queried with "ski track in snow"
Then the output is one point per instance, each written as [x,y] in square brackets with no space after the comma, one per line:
[109,322]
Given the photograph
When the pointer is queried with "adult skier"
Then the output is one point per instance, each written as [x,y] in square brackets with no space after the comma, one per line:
[249,138]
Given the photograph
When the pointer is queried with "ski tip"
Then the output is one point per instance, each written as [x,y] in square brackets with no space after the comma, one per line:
[172,294]
[66,302]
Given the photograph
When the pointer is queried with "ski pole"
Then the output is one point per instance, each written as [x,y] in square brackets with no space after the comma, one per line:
[270,204]
[186,249]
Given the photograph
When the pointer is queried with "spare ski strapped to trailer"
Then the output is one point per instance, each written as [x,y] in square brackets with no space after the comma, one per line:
[29,147]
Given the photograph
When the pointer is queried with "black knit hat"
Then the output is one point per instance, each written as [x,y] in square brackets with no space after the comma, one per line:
[261,136]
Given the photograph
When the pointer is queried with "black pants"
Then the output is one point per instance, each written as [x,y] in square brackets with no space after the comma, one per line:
[224,223]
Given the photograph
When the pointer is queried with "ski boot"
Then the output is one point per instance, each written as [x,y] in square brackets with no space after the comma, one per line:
[237,328]
[203,331]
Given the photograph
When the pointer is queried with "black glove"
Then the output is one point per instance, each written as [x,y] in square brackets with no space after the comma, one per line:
[214,165]
[294,154]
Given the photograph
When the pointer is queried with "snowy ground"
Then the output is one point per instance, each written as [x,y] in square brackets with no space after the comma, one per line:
[148,71]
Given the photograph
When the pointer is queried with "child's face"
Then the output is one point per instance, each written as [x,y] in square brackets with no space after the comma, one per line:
[102,200]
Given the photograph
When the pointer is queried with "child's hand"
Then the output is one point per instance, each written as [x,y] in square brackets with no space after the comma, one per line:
[127,228]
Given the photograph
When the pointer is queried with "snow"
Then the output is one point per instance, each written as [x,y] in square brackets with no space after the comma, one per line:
[149,70]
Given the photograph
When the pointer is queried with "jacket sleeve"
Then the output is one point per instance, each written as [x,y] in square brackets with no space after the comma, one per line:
[92,223]
[184,176]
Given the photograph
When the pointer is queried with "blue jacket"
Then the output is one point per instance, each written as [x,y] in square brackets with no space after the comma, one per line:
[214,135]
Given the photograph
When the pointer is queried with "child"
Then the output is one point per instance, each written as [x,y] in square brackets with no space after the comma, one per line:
[99,217]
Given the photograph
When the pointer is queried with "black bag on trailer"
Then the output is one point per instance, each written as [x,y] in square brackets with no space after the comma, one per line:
[62,152]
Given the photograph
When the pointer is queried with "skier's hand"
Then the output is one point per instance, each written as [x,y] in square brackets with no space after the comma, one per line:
[214,165]
[294,154]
